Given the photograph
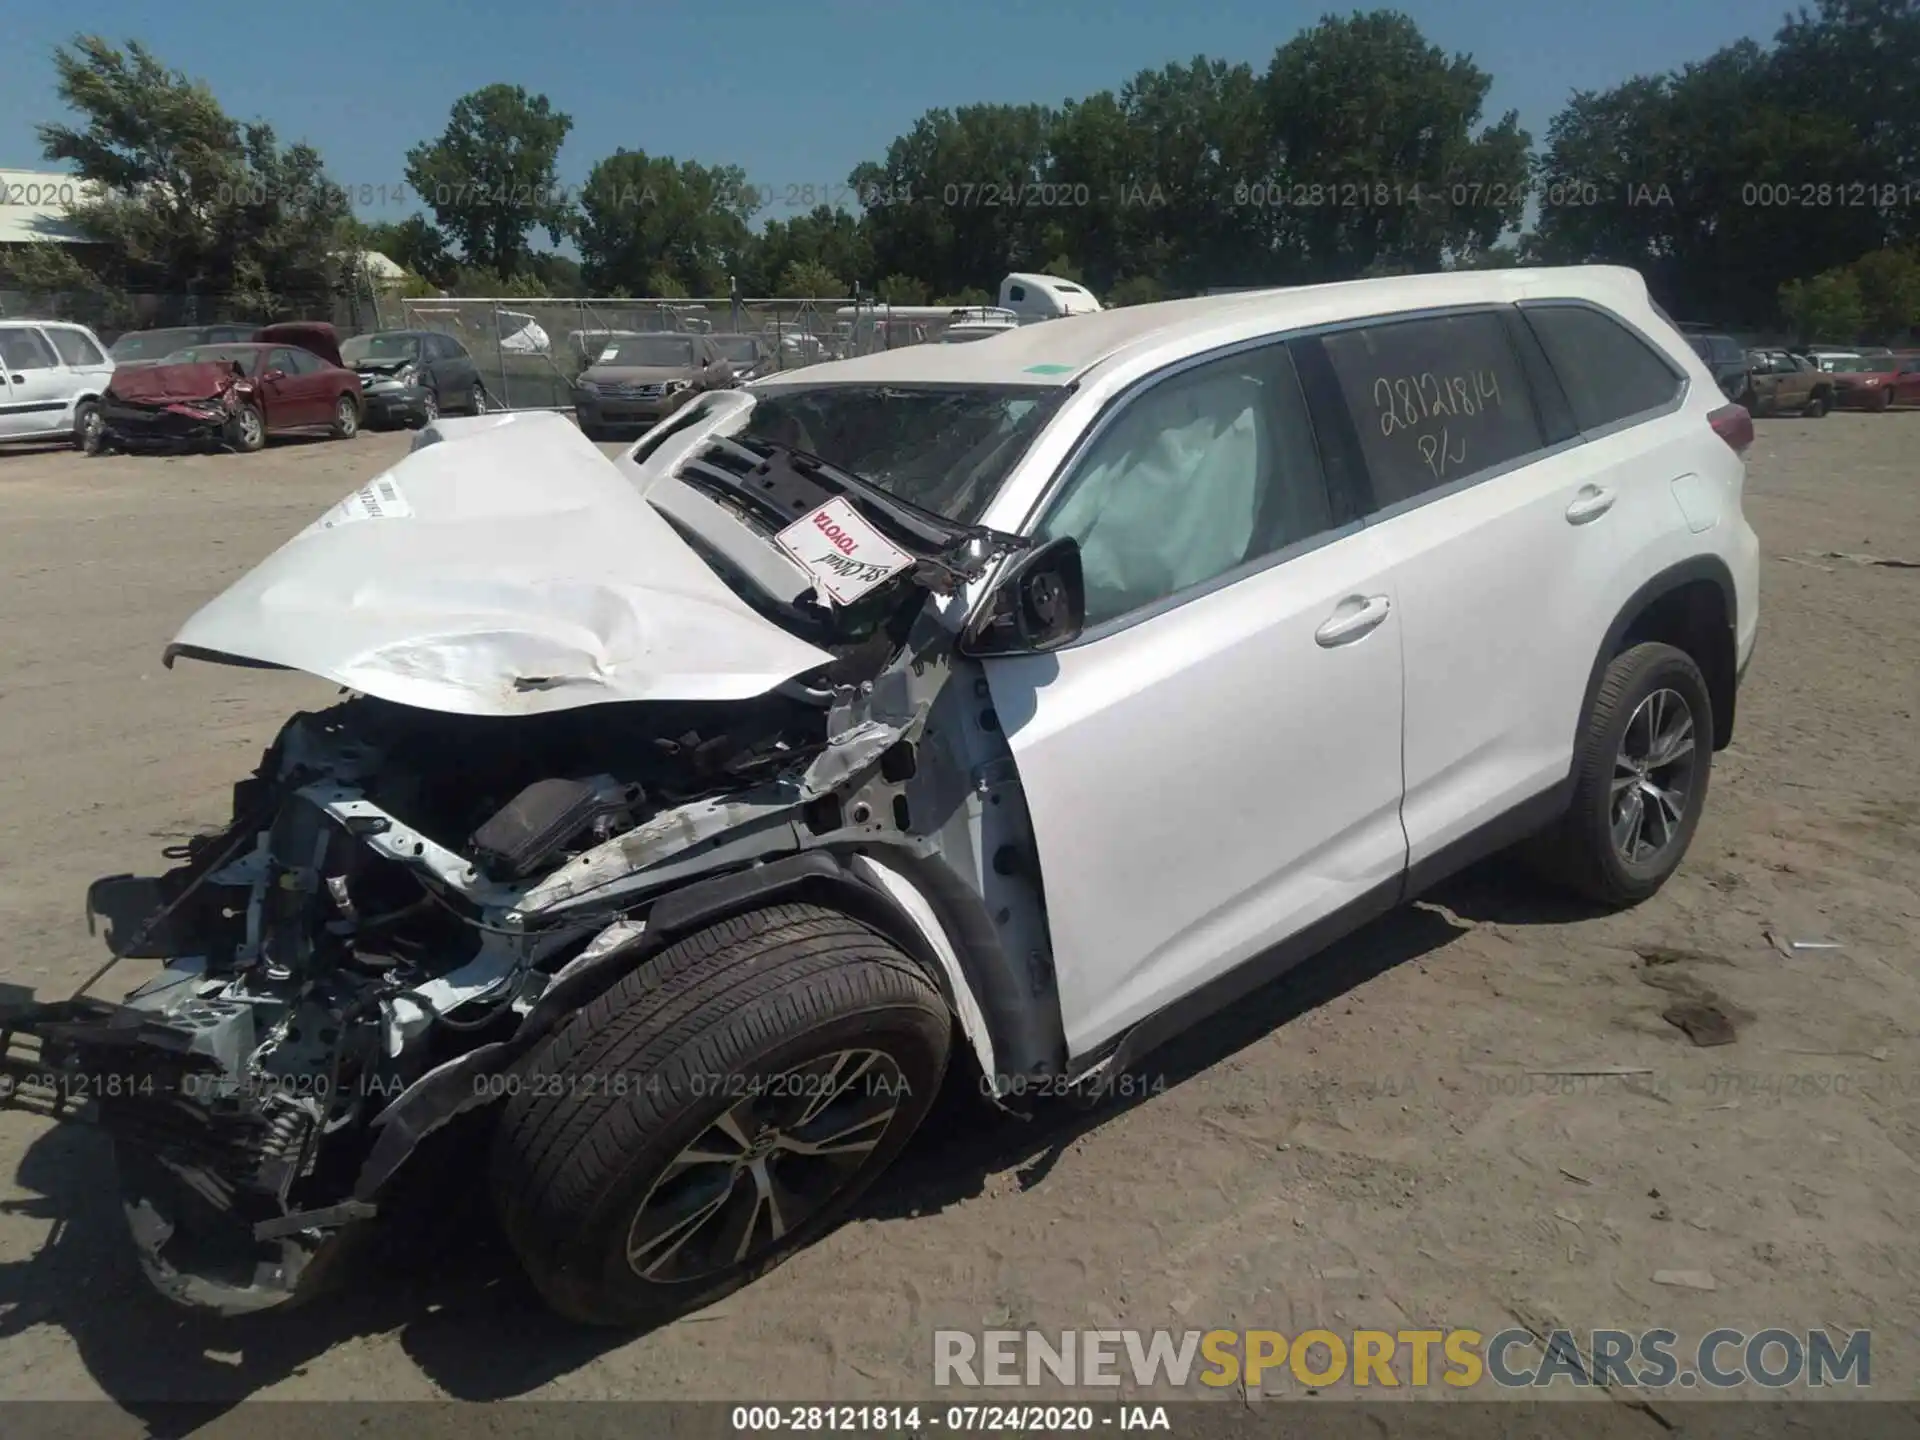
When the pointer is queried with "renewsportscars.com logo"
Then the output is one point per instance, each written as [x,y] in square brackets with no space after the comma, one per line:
[1390,1359]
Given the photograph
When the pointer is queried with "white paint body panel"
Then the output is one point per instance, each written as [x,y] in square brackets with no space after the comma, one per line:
[527,556]
[1206,782]
[39,402]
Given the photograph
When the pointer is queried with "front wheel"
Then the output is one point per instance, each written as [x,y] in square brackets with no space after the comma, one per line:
[477,398]
[1816,407]
[429,409]
[247,430]
[1640,779]
[718,1109]
[89,427]
[346,419]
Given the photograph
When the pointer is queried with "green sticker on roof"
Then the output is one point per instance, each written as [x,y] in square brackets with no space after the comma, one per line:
[1048,369]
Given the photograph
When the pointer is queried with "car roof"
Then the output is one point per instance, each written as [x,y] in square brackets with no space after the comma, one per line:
[1063,350]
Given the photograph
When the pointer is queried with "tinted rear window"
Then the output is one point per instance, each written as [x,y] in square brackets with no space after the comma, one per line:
[1434,400]
[1608,372]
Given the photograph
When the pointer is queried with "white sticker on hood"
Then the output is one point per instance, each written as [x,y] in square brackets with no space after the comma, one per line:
[381,498]
[610,352]
[844,554]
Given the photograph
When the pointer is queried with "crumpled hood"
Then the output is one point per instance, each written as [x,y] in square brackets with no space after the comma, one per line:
[505,567]
[167,384]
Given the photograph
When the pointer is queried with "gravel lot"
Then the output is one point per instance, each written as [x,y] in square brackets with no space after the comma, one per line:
[1379,1140]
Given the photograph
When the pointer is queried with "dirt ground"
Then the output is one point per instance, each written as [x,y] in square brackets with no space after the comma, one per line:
[1389,1137]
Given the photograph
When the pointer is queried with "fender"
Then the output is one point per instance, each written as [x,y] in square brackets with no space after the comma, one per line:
[873,892]
[1697,567]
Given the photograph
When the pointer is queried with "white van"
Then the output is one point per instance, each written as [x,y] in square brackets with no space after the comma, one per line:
[52,374]
[1044,297]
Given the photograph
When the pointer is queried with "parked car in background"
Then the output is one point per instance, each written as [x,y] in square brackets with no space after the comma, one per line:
[410,377]
[744,353]
[150,347]
[1826,357]
[1780,382]
[1725,356]
[284,379]
[640,380]
[52,375]
[1876,382]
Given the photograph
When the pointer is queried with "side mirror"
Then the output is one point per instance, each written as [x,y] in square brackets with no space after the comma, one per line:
[1039,604]
[273,375]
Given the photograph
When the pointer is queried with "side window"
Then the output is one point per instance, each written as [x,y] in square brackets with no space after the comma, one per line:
[305,362]
[281,360]
[1609,372]
[1016,293]
[23,349]
[1434,400]
[75,348]
[1198,475]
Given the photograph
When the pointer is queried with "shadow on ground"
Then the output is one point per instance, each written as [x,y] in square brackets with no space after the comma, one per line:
[461,1311]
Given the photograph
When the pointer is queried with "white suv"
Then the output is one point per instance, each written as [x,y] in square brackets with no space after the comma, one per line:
[1029,700]
[52,374]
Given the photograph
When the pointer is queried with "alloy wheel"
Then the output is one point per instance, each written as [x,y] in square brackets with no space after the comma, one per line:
[765,1166]
[346,419]
[252,431]
[1653,777]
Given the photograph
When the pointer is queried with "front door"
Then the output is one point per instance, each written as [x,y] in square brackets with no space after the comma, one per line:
[1215,764]
[39,387]
[281,402]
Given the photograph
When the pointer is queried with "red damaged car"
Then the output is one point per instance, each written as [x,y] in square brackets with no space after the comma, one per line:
[235,394]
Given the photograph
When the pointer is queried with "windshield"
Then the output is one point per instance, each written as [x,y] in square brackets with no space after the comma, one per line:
[1858,364]
[380,347]
[247,357]
[738,349]
[149,344]
[663,350]
[943,449]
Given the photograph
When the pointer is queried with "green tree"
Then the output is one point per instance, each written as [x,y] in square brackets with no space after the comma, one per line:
[1826,308]
[185,201]
[415,243]
[903,290]
[1378,133]
[492,176]
[810,280]
[647,218]
[831,239]
[1889,282]
[1136,290]
[952,196]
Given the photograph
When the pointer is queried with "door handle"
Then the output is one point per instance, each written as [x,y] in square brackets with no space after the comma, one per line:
[1590,503]
[18,379]
[1355,616]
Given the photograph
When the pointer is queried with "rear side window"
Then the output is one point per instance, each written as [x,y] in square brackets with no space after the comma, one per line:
[75,348]
[1434,401]
[1608,372]
[23,349]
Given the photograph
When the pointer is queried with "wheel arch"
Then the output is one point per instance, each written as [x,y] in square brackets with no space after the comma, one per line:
[1694,607]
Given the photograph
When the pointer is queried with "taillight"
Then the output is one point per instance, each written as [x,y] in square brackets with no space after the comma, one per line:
[1734,425]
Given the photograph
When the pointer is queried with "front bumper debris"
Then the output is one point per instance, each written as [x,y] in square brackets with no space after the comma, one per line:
[182,425]
[205,1237]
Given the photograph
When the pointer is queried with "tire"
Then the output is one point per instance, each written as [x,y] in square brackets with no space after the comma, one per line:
[346,418]
[89,427]
[1816,407]
[247,430]
[714,1032]
[1882,402]
[477,399]
[429,410]
[1581,852]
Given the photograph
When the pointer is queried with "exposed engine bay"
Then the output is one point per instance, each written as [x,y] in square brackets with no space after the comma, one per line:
[383,901]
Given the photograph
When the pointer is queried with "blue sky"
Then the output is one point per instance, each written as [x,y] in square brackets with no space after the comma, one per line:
[796,93]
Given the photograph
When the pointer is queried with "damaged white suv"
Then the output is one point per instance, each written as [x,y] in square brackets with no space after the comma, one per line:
[1026,700]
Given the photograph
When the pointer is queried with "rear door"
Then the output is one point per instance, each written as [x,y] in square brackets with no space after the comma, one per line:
[40,387]
[1509,530]
[315,384]
[1907,384]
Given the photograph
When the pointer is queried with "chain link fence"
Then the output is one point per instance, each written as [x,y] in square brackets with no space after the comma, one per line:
[110,315]
[530,352]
